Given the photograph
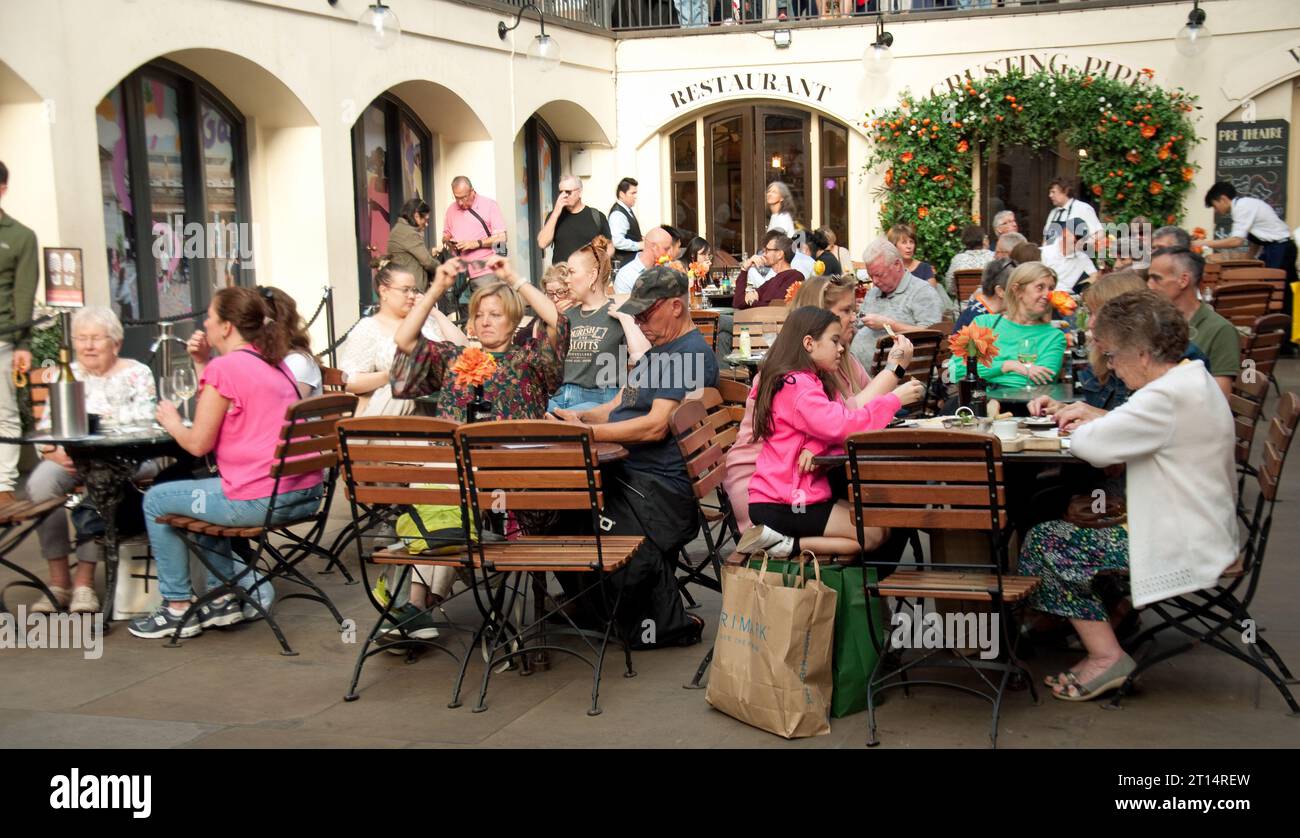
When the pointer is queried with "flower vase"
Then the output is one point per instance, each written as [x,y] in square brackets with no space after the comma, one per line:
[479,409]
[971,390]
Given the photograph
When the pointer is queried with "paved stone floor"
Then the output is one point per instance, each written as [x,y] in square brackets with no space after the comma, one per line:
[232,688]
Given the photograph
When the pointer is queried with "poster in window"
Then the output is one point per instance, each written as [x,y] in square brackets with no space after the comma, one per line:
[64,279]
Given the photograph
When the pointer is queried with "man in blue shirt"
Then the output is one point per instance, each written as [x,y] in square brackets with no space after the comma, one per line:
[649,492]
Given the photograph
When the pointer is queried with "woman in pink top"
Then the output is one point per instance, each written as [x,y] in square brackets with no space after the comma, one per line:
[798,417]
[854,387]
[243,395]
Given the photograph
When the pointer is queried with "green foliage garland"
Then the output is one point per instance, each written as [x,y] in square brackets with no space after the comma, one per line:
[1136,136]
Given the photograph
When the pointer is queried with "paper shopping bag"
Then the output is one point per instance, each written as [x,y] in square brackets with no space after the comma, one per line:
[772,655]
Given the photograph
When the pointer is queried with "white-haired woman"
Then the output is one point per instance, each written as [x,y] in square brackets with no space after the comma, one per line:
[115,387]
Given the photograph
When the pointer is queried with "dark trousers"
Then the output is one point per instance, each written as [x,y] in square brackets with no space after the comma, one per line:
[1281,256]
[651,612]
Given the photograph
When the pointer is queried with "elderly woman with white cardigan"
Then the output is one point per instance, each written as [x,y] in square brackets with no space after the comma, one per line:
[1175,436]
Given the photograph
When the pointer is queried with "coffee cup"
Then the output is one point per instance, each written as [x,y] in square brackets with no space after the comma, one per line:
[1006,429]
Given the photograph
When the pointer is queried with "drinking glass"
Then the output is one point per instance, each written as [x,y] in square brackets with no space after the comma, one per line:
[184,385]
[1028,352]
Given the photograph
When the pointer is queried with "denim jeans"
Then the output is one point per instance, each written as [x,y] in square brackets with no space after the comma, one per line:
[573,397]
[205,500]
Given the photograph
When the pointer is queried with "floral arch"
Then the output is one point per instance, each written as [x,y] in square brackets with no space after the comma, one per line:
[1135,138]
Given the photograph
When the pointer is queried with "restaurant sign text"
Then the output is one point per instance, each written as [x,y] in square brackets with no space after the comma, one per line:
[740,83]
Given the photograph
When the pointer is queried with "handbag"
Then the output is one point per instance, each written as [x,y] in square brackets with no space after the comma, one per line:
[772,655]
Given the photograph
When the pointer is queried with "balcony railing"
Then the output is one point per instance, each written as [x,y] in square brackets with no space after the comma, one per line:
[691,16]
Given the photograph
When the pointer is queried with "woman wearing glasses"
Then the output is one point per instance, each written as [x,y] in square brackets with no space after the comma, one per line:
[116,388]
[1030,350]
[596,332]
[368,352]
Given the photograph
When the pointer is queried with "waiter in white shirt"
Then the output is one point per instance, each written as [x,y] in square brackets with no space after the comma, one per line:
[624,230]
[1070,226]
[1255,223]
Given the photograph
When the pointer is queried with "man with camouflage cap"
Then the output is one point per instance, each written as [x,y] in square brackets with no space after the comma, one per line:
[649,492]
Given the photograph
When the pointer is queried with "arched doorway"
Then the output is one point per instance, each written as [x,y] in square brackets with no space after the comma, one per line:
[721,163]
[1015,177]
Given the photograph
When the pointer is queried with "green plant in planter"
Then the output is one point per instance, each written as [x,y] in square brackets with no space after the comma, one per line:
[45,343]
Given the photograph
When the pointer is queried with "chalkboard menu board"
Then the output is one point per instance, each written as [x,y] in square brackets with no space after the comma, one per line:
[1252,157]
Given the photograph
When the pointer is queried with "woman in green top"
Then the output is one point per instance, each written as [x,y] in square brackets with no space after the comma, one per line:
[1023,330]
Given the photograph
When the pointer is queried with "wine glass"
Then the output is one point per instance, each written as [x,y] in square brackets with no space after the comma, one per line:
[184,385]
[1028,352]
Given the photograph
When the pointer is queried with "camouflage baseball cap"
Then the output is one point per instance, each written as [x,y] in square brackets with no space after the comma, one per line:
[658,283]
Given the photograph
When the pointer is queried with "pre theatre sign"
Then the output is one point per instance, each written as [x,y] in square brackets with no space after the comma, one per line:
[726,84]
[1033,62]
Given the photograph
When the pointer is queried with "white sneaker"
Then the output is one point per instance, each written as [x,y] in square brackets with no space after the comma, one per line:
[44,606]
[759,537]
[84,601]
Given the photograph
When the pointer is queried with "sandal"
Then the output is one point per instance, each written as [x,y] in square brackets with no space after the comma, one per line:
[1060,679]
[1111,679]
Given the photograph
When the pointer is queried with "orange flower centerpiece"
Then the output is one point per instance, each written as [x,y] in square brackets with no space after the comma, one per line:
[792,290]
[473,368]
[1063,302]
[976,345]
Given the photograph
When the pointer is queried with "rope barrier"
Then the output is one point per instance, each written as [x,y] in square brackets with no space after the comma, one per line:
[319,308]
[339,342]
[176,318]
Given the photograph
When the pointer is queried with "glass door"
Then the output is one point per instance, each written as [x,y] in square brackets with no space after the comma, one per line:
[729,176]
[784,157]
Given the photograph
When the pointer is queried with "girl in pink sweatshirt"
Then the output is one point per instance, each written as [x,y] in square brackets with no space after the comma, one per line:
[798,416]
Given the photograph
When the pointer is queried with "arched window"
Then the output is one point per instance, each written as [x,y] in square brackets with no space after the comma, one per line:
[685,180]
[174,175]
[392,162]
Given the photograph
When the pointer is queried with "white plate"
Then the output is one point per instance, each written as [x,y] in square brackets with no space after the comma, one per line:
[1052,434]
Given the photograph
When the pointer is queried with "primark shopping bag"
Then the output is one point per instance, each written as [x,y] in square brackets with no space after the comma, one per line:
[772,656]
[854,655]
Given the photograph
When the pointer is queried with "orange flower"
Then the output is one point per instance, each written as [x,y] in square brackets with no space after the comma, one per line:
[1119,197]
[474,367]
[697,270]
[922,212]
[906,157]
[952,228]
[1148,131]
[1063,302]
[1096,189]
[974,342]
[889,177]
[1170,218]
[795,286]
[1133,156]
[1148,72]
[923,170]
[1199,233]
[1162,153]
[963,147]
[1156,187]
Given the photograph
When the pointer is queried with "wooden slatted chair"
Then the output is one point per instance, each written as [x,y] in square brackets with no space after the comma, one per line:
[1263,345]
[1242,303]
[1214,616]
[945,480]
[707,323]
[704,429]
[396,463]
[928,346]
[308,443]
[331,380]
[1247,404]
[500,471]
[1274,277]
[733,392]
[17,521]
[968,282]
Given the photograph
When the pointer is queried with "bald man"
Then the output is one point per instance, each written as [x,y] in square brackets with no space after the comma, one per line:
[657,242]
[572,224]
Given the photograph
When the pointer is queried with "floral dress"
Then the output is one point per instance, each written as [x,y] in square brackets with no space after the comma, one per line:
[527,374]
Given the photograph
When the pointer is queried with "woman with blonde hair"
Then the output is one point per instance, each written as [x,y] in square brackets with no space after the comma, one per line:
[853,385]
[596,331]
[1024,330]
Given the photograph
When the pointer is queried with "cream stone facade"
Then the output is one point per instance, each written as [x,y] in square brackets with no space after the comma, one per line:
[300,73]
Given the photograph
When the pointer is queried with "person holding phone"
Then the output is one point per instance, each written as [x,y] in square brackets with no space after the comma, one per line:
[474,229]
